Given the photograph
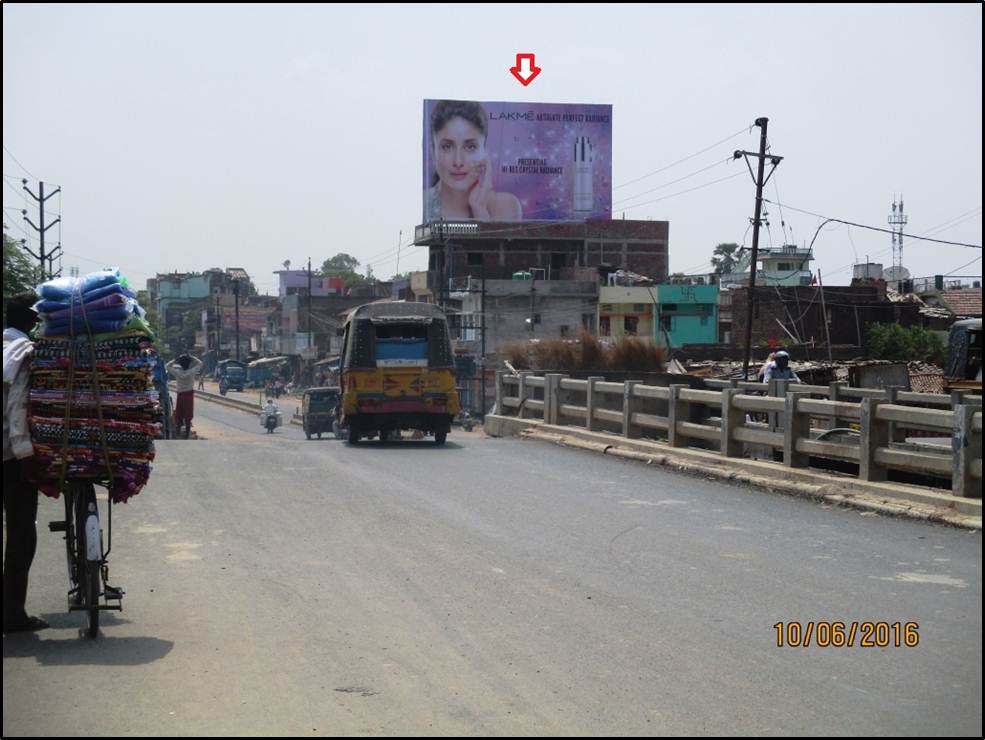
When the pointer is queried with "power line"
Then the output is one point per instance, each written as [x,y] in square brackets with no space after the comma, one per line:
[15,190]
[973,211]
[876,228]
[685,159]
[948,274]
[18,161]
[672,182]
[682,192]
[958,222]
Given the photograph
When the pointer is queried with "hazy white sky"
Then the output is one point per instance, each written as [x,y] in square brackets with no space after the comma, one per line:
[189,137]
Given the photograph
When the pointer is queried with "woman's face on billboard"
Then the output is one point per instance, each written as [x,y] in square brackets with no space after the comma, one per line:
[459,148]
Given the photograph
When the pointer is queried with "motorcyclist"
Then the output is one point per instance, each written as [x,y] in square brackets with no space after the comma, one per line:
[269,413]
[780,369]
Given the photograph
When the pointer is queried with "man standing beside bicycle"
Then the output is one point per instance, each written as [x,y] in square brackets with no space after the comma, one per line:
[20,496]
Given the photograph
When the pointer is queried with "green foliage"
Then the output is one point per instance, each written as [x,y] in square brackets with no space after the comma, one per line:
[904,343]
[344,266]
[19,271]
[340,263]
[725,258]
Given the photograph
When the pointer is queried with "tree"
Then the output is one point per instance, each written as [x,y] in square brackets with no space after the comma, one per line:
[725,258]
[895,342]
[340,263]
[344,266]
[19,271]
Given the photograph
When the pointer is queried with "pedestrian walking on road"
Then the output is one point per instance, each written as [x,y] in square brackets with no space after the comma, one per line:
[184,369]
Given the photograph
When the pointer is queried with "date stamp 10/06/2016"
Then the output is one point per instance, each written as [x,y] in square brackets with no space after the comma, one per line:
[847,634]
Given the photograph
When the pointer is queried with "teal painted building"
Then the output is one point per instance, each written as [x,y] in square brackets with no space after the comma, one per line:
[687,314]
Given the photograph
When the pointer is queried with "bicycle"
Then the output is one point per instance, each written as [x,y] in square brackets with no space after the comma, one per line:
[88,569]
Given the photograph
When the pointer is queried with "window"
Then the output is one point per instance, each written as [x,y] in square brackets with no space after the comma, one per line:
[564,330]
[630,324]
[474,259]
[587,321]
[604,328]
[784,266]
[536,318]
[669,308]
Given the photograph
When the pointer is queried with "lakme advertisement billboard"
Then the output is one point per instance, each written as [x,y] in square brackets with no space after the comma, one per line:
[516,161]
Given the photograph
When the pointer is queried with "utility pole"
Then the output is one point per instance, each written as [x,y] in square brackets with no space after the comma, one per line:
[309,302]
[400,238]
[759,182]
[533,282]
[236,295]
[45,260]
[218,329]
[482,356]
[824,311]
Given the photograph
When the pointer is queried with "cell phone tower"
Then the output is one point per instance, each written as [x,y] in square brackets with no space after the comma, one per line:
[897,220]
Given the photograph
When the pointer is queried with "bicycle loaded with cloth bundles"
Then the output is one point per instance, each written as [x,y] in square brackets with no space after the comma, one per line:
[88,570]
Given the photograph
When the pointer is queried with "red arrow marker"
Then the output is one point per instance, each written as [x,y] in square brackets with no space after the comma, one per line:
[525,70]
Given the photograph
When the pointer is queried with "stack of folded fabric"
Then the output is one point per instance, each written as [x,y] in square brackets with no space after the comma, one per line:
[94,411]
[98,303]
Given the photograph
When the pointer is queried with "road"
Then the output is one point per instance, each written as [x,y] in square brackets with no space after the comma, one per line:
[491,586]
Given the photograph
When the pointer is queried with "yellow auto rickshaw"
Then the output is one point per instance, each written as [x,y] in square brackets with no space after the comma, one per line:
[397,371]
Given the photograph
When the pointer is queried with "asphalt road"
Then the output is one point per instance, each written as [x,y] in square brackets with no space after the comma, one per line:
[490,586]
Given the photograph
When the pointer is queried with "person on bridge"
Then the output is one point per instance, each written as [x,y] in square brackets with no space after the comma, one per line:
[780,369]
[183,369]
[20,495]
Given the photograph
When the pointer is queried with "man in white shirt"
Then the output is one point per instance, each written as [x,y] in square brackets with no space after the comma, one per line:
[20,495]
[183,369]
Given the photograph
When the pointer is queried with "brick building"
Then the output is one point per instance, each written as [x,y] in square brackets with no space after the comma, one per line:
[561,250]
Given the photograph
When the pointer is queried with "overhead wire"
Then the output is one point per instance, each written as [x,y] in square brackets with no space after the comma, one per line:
[876,228]
[685,159]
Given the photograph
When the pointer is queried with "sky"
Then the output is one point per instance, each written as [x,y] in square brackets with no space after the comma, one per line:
[194,136]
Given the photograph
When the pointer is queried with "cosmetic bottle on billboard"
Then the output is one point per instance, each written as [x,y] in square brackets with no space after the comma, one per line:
[583,175]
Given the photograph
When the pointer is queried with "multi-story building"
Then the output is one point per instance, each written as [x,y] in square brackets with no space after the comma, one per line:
[562,251]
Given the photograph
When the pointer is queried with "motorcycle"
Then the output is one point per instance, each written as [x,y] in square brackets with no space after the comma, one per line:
[223,386]
[270,420]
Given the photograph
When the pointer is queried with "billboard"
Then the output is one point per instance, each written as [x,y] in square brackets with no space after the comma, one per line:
[516,161]
[251,318]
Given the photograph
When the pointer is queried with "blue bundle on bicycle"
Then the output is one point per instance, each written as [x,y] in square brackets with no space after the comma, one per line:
[67,288]
[97,303]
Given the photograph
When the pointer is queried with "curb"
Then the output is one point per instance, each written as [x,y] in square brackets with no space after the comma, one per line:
[893,499]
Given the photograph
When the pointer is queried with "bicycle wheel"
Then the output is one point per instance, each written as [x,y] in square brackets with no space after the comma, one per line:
[88,553]
[74,594]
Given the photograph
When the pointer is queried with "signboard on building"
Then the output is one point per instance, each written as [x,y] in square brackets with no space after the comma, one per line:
[493,161]
[251,318]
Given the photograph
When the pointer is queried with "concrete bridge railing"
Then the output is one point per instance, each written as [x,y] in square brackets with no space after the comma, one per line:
[867,427]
